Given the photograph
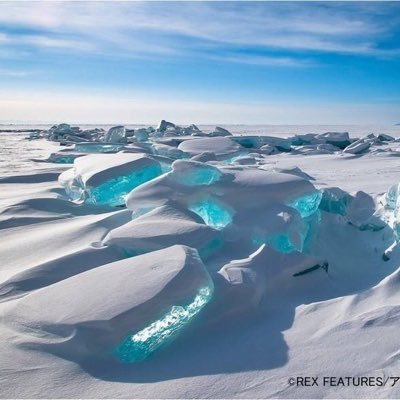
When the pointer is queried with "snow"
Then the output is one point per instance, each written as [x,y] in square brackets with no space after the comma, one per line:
[220,146]
[159,228]
[185,264]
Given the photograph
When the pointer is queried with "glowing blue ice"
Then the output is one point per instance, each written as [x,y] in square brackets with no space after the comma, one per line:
[213,214]
[307,204]
[114,191]
[142,344]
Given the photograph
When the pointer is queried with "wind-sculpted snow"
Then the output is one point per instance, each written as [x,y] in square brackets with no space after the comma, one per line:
[150,297]
[191,261]
[162,227]
[226,197]
[248,278]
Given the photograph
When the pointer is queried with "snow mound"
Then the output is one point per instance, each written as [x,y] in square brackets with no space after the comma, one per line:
[162,227]
[220,146]
[143,305]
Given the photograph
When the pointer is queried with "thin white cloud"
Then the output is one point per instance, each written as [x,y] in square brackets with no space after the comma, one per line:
[162,28]
[266,61]
[13,73]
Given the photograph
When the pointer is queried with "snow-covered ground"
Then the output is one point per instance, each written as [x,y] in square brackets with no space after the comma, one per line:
[200,266]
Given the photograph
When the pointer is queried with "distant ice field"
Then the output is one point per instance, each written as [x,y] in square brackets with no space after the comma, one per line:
[278,130]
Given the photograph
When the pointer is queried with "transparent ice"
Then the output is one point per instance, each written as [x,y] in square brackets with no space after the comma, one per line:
[335,201]
[213,213]
[307,204]
[97,148]
[142,344]
[114,191]
[198,176]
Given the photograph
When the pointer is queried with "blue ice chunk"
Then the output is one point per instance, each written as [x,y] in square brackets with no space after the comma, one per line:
[97,148]
[61,159]
[197,175]
[335,201]
[141,345]
[213,213]
[141,135]
[295,238]
[282,243]
[114,191]
[391,197]
[116,134]
[307,204]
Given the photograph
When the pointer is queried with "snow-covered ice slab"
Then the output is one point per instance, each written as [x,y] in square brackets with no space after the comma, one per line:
[220,146]
[128,308]
[106,179]
[162,227]
[260,206]
[338,139]
[248,278]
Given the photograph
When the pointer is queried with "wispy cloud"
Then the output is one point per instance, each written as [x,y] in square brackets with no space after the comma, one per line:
[13,73]
[163,29]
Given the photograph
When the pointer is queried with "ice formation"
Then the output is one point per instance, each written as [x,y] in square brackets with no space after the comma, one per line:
[116,134]
[212,212]
[249,278]
[139,346]
[105,179]
[145,302]
[306,204]
[205,221]
[159,228]
[94,147]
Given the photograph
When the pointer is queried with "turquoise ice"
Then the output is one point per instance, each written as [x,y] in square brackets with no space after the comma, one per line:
[307,204]
[202,176]
[114,191]
[335,201]
[141,345]
[97,148]
[213,213]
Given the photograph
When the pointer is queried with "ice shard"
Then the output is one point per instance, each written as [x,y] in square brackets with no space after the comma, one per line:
[306,204]
[141,345]
[116,134]
[335,200]
[213,213]
[192,173]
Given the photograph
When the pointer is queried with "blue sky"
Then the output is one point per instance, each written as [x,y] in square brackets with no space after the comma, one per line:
[226,62]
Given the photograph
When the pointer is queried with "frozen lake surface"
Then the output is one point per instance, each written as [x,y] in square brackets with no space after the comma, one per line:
[178,266]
